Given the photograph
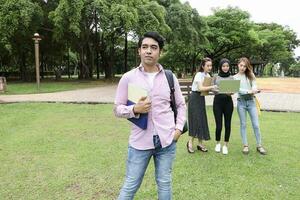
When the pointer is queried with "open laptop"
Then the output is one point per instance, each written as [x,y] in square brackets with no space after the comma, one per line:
[229,86]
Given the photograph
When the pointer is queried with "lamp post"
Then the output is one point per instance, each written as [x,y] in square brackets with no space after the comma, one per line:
[37,38]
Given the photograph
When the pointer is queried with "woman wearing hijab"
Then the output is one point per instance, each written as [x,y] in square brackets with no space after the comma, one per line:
[223,106]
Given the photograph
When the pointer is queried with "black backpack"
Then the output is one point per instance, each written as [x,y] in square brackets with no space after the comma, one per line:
[169,75]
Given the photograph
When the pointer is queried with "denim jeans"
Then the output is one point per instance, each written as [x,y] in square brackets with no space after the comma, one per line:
[242,107]
[137,163]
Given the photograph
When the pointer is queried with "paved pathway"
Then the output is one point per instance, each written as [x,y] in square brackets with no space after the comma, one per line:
[106,94]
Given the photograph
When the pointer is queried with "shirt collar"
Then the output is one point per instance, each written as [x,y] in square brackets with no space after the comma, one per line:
[142,69]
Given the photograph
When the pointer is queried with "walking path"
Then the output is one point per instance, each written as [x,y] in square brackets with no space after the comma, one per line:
[106,94]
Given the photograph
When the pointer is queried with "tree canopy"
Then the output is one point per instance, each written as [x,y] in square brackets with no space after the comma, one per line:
[88,37]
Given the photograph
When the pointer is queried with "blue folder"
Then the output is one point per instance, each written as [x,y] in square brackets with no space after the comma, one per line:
[142,121]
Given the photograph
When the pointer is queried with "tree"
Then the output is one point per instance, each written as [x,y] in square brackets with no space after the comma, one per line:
[229,30]
[295,69]
[19,19]
[187,39]
[275,43]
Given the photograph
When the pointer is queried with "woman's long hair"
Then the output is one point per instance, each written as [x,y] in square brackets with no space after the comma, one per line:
[249,69]
[202,64]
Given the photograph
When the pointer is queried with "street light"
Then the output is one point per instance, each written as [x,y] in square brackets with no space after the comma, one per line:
[37,38]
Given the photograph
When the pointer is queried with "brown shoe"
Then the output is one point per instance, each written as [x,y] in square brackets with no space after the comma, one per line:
[261,150]
[190,150]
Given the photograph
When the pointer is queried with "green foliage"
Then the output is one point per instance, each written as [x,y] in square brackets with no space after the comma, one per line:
[275,43]
[96,32]
[295,69]
[229,29]
[152,18]
[268,69]
[19,20]
[67,17]
[17,17]
[187,40]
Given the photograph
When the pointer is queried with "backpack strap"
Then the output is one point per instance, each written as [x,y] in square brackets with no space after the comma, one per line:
[169,76]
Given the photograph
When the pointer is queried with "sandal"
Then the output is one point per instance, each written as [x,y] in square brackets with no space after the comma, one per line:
[190,150]
[261,150]
[202,148]
[245,149]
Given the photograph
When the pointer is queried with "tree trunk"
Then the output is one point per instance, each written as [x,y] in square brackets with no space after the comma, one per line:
[42,65]
[97,46]
[69,76]
[109,68]
[90,61]
[110,64]
[125,54]
[23,67]
[81,70]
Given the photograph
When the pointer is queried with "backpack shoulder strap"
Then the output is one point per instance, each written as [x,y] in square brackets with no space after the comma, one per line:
[169,76]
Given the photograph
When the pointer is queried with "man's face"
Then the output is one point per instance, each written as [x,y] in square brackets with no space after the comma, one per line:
[149,52]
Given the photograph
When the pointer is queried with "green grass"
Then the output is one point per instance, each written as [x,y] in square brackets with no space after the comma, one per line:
[67,151]
[52,86]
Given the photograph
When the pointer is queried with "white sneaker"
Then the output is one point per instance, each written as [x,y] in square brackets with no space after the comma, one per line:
[218,148]
[225,150]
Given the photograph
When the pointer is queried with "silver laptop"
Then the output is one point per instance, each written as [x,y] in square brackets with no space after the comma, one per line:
[229,86]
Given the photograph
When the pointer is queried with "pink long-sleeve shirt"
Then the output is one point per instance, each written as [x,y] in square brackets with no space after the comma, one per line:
[160,117]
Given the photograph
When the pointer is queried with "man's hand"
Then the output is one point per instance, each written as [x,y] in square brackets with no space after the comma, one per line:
[143,106]
[177,135]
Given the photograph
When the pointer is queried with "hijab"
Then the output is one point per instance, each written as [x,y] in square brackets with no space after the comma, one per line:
[221,72]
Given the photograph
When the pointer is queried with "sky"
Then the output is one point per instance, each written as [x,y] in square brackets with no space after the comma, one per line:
[286,13]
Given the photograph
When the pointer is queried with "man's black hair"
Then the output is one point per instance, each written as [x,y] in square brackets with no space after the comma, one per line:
[155,36]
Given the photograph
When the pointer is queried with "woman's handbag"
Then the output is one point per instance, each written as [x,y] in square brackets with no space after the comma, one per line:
[257,104]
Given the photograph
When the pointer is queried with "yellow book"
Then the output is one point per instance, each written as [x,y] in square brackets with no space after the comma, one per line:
[136,92]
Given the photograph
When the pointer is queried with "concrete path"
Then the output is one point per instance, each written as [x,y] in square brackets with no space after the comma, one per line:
[106,94]
[103,94]
[272,101]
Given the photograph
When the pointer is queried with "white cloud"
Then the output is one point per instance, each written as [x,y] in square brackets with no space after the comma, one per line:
[281,12]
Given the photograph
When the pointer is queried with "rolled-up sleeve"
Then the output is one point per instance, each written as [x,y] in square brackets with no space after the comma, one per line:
[253,85]
[120,108]
[180,104]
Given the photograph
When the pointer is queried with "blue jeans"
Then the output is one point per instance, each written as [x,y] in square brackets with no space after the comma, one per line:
[242,107]
[137,163]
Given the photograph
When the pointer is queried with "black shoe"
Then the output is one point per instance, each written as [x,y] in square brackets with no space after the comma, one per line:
[201,148]
[261,150]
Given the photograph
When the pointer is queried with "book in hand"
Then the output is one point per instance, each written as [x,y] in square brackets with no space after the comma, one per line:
[134,94]
[208,81]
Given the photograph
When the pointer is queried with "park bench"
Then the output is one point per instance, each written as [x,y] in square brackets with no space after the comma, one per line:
[186,88]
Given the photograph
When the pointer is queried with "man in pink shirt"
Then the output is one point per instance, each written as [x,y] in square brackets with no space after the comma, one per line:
[162,132]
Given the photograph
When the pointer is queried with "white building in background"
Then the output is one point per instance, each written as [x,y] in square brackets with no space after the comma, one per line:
[277,71]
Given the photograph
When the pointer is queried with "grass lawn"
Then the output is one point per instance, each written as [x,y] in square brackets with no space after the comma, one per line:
[67,151]
[53,86]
